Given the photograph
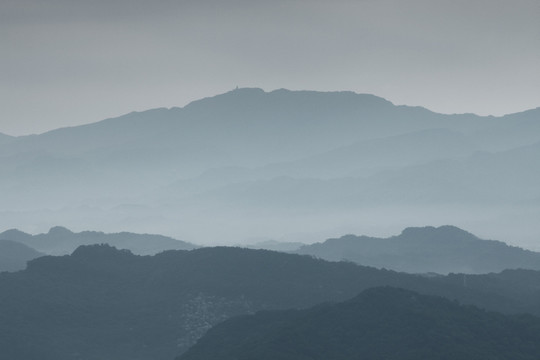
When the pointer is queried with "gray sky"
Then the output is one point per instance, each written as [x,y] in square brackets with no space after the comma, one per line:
[68,62]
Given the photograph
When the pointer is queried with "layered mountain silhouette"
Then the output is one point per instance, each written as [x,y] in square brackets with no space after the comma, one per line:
[14,255]
[275,245]
[104,303]
[443,250]
[251,164]
[380,323]
[61,241]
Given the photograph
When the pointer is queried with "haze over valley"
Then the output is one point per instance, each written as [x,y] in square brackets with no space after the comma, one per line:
[282,165]
[296,172]
[269,180]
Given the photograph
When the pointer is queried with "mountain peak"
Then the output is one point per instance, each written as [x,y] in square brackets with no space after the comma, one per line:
[14,234]
[99,251]
[449,232]
[60,231]
[254,96]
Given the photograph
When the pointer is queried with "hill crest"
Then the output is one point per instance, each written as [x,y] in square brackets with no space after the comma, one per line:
[445,249]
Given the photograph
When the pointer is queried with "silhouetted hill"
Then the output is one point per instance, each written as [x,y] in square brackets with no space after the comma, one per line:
[275,245]
[16,235]
[380,323]
[59,241]
[103,303]
[5,138]
[225,125]
[14,255]
[442,250]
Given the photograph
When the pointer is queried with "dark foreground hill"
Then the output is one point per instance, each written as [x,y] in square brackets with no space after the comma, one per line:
[61,241]
[103,303]
[380,323]
[14,255]
[443,250]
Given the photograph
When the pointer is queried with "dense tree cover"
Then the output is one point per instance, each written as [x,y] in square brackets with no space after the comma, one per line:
[442,250]
[103,303]
[380,323]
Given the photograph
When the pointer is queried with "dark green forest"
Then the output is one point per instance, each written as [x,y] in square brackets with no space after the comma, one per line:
[380,323]
[104,303]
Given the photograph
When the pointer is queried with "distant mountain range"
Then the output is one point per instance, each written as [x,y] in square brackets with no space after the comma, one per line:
[380,323]
[288,165]
[61,241]
[251,164]
[442,250]
[103,303]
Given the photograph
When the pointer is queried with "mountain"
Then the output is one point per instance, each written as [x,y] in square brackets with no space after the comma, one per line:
[277,161]
[493,193]
[219,128]
[481,178]
[104,303]
[362,158]
[380,323]
[5,138]
[275,245]
[444,250]
[60,241]
[14,255]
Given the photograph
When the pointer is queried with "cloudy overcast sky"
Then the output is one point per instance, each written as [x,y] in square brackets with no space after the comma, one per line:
[68,62]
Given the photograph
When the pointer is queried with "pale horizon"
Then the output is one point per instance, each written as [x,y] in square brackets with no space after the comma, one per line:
[112,116]
[69,63]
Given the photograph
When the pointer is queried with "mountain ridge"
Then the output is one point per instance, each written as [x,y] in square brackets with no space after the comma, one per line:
[101,302]
[446,249]
[378,323]
[14,255]
[61,241]
[122,171]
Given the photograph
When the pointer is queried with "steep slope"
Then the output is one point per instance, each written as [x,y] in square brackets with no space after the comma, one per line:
[380,323]
[14,255]
[103,303]
[442,250]
[60,241]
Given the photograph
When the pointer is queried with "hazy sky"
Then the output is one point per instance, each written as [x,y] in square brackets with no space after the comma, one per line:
[67,62]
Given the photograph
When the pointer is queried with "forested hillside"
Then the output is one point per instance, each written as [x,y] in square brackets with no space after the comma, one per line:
[103,303]
[380,323]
